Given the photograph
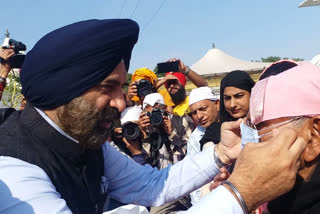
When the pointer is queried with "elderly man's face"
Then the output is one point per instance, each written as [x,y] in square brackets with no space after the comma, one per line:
[205,112]
[307,128]
[89,118]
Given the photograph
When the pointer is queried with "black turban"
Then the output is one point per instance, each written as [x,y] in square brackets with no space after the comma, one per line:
[237,79]
[70,60]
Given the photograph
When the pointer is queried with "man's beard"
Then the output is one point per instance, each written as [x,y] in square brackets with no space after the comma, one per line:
[179,96]
[80,119]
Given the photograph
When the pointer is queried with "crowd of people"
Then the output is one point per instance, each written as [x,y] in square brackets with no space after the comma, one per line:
[84,145]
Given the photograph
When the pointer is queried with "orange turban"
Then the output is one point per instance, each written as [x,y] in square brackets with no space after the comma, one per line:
[143,73]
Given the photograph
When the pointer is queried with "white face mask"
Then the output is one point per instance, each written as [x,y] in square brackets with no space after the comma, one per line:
[250,134]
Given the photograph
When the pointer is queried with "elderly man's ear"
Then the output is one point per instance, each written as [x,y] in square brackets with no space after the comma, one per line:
[313,148]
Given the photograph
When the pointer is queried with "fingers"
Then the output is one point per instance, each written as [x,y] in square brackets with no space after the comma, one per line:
[214,185]
[234,125]
[284,137]
[298,147]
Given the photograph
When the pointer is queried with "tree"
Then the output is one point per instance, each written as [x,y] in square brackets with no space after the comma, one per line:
[277,58]
[12,96]
[271,59]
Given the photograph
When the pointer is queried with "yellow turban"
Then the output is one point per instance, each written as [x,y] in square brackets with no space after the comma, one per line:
[143,73]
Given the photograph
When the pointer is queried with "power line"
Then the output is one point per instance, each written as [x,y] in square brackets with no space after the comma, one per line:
[135,8]
[123,4]
[153,16]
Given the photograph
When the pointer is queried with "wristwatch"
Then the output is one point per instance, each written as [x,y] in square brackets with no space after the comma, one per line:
[188,71]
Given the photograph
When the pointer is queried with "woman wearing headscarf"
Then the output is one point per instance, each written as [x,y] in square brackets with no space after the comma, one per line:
[235,89]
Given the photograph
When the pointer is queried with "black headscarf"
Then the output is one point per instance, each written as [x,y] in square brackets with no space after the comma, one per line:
[237,79]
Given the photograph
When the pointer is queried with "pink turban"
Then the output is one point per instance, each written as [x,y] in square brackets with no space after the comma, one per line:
[295,92]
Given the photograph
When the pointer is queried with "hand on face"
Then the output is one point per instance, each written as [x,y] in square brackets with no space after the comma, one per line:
[230,144]
[267,170]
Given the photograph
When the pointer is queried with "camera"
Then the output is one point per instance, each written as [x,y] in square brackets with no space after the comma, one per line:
[131,131]
[165,67]
[16,61]
[144,87]
[156,116]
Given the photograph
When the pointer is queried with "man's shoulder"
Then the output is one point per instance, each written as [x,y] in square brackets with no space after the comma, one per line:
[26,188]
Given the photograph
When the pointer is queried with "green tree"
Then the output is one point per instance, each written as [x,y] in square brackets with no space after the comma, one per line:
[277,58]
[12,96]
[271,59]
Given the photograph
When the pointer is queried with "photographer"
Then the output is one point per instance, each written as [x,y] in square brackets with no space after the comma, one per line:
[175,85]
[127,137]
[155,125]
[143,82]
[5,68]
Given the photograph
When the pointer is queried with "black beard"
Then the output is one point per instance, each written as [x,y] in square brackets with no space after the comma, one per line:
[80,119]
[179,96]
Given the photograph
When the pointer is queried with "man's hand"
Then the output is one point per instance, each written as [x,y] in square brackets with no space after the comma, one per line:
[267,170]
[182,67]
[167,124]
[230,144]
[144,123]
[6,53]
[222,176]
[133,146]
[132,90]
[5,66]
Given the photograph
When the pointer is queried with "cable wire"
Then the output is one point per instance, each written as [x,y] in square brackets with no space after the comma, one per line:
[153,16]
[124,3]
[135,8]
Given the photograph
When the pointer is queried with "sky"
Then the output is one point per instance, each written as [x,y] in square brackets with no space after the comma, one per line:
[184,29]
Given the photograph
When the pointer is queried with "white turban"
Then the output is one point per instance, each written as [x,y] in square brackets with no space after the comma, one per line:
[152,99]
[202,93]
[130,114]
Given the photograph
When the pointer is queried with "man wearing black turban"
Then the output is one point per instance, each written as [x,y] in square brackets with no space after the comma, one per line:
[53,155]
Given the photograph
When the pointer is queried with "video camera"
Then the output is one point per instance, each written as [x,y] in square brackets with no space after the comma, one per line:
[156,116]
[144,87]
[16,61]
[131,131]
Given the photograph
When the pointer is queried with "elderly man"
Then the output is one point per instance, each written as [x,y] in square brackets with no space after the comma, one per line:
[295,92]
[204,109]
[301,113]
[53,153]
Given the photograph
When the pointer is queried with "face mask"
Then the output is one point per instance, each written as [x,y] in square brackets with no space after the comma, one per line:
[248,135]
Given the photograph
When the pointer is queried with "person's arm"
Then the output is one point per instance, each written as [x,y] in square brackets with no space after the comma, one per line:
[192,75]
[263,172]
[132,183]
[26,188]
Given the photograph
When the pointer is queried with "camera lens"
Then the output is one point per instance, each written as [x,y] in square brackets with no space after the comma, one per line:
[131,131]
[156,118]
[144,88]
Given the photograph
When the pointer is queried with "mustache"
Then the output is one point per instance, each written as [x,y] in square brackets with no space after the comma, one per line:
[111,113]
